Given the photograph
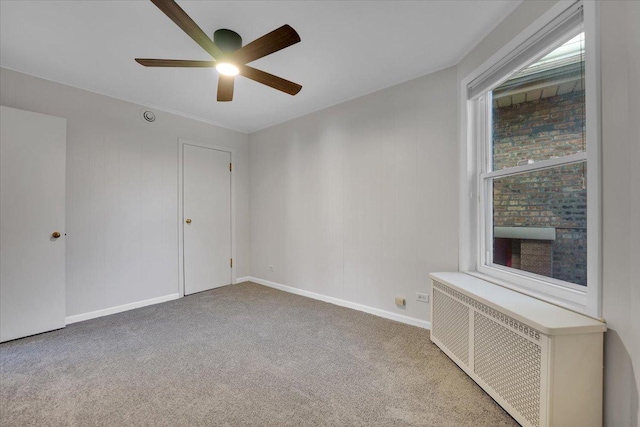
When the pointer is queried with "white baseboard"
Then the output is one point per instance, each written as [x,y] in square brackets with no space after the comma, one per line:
[332,300]
[343,303]
[119,308]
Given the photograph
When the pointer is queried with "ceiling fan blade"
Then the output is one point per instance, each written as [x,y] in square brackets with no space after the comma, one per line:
[225,88]
[184,21]
[280,38]
[269,79]
[175,63]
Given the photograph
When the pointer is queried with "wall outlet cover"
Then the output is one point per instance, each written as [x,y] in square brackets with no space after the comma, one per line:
[422,297]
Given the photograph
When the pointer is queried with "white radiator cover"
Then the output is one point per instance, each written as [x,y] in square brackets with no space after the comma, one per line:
[543,374]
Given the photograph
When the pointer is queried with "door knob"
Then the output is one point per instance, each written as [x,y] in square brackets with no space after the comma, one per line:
[188,221]
[55,234]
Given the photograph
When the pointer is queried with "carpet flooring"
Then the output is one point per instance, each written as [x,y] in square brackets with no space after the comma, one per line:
[241,355]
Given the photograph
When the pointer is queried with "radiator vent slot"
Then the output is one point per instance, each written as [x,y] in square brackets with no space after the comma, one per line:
[451,325]
[509,364]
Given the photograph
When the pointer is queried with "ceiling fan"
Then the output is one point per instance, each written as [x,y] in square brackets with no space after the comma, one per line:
[230,58]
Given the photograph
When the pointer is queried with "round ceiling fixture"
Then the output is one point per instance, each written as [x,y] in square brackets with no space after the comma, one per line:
[149,116]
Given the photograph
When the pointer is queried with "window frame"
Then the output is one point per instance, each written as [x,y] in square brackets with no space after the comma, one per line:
[476,175]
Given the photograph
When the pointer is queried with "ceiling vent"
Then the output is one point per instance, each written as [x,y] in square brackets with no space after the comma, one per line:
[149,116]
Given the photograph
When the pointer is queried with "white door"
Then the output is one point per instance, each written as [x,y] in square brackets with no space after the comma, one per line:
[32,200]
[207,218]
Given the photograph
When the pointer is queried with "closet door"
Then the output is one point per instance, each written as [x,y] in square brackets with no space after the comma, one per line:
[32,242]
[207,218]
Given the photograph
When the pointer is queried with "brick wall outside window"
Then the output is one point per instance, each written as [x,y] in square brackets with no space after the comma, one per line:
[537,130]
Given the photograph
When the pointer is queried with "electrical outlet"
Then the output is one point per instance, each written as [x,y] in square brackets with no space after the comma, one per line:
[270,268]
[422,297]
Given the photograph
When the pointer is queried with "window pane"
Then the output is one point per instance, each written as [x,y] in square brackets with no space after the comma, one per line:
[539,113]
[540,222]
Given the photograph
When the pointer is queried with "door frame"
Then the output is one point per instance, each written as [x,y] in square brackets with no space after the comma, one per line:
[232,151]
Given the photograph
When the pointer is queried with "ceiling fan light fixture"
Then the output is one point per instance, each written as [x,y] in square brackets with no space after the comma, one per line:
[227,69]
[228,54]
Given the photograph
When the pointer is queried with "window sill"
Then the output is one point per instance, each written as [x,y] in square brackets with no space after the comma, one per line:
[575,304]
[543,316]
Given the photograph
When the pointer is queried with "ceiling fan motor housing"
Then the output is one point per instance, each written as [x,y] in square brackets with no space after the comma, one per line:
[228,41]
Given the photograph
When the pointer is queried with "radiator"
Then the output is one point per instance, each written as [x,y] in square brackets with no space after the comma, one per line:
[514,362]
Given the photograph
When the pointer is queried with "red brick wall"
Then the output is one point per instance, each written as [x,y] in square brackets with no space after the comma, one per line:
[542,129]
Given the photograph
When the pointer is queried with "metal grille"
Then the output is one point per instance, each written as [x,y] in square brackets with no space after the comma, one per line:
[509,364]
[451,325]
[508,321]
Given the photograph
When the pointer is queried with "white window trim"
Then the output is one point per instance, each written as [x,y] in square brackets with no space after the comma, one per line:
[472,231]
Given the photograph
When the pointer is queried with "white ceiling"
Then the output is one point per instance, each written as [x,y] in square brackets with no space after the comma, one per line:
[348,49]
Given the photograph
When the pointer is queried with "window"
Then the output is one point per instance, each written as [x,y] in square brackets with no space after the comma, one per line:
[536,171]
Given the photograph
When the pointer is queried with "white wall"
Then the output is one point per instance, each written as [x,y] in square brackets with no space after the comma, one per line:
[620,42]
[122,191]
[359,201]
[620,50]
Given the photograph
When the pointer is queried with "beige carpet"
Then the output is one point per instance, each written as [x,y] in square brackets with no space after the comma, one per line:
[243,355]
